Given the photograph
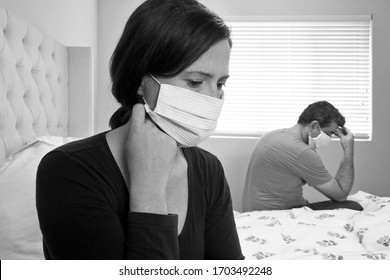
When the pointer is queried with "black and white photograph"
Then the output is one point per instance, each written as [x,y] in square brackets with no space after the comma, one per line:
[238,132]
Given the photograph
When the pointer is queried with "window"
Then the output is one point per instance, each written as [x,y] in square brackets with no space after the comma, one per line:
[278,67]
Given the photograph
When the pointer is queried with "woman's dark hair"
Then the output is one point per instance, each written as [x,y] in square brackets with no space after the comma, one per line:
[161,38]
[323,112]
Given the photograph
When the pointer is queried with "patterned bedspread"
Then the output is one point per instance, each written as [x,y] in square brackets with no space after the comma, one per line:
[328,234]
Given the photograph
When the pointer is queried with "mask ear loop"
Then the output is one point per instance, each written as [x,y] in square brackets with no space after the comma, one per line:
[154,78]
[147,108]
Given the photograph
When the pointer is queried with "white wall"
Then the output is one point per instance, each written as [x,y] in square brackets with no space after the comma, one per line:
[372,159]
[71,22]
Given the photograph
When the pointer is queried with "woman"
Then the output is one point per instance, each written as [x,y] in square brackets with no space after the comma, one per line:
[141,190]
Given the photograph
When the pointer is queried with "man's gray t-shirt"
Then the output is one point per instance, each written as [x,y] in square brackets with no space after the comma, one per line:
[281,163]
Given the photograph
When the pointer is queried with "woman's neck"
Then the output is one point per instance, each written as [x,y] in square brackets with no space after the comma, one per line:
[116,140]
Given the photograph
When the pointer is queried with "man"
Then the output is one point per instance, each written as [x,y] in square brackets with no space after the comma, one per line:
[286,159]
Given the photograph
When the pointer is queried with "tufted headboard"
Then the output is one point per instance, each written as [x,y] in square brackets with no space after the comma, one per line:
[45,87]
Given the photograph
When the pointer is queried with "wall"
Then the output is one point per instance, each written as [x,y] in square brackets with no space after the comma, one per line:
[71,22]
[372,158]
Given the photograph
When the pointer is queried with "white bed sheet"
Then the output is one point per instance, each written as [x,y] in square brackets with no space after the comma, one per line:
[302,233]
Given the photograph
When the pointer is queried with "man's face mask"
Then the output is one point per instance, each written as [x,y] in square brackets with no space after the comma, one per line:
[321,140]
[185,115]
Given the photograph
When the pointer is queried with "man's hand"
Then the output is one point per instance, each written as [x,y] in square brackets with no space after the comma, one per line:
[346,139]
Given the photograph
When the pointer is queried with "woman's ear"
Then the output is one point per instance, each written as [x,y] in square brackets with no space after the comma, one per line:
[148,90]
[141,88]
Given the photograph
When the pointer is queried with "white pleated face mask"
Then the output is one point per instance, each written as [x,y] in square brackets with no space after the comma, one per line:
[185,115]
[321,140]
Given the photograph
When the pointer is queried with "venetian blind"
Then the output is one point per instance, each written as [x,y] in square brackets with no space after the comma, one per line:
[278,67]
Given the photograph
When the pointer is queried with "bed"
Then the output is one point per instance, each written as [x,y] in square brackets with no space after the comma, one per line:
[302,233]
[46,99]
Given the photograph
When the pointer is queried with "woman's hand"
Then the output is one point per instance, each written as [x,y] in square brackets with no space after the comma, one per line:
[150,155]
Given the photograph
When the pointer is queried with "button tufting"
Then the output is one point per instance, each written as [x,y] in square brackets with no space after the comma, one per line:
[27,95]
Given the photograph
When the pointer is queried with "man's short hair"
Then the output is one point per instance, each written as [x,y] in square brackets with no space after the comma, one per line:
[323,112]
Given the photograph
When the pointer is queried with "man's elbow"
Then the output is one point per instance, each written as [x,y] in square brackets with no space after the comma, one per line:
[341,195]
[340,198]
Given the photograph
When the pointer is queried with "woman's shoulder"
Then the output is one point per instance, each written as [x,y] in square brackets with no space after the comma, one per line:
[86,150]
[203,163]
[92,142]
[201,155]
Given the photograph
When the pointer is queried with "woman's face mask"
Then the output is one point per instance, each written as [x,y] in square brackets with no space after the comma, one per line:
[187,116]
[321,140]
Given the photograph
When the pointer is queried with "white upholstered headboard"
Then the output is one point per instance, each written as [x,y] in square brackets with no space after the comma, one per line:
[45,87]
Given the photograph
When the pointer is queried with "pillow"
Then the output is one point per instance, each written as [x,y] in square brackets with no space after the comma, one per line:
[20,236]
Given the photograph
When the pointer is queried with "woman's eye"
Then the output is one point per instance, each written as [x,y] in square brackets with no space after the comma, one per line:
[194,84]
[220,85]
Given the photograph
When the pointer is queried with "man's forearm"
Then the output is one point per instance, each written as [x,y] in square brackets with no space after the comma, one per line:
[345,175]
